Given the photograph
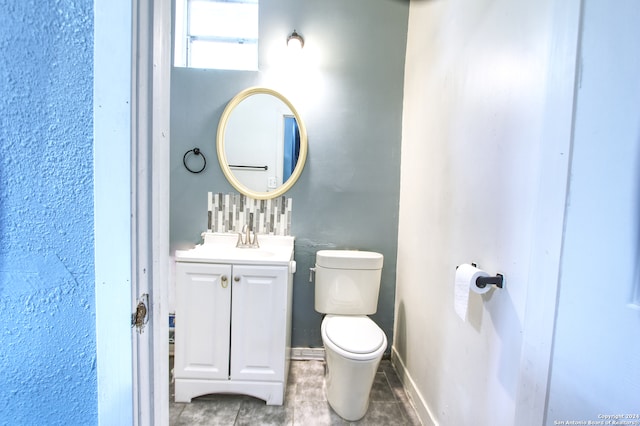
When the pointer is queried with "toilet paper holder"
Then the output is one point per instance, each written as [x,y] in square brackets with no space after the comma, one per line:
[482,282]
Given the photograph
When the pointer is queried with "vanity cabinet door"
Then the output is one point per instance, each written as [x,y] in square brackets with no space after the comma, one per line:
[259,320]
[203,303]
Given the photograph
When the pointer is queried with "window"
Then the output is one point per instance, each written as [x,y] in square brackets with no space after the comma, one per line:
[220,34]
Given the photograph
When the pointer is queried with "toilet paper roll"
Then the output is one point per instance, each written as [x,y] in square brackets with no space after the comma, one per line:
[466,276]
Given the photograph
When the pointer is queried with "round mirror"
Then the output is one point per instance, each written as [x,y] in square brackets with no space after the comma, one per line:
[261,143]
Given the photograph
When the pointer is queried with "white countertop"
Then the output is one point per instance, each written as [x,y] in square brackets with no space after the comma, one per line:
[221,248]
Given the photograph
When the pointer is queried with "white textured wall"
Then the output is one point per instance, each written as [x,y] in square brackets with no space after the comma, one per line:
[47,332]
[479,141]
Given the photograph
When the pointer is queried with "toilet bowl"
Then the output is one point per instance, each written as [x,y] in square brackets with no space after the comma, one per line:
[347,288]
[354,346]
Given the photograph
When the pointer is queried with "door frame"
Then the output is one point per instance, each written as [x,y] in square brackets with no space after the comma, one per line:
[132,66]
[150,165]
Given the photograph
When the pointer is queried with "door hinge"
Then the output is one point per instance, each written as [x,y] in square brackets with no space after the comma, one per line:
[140,317]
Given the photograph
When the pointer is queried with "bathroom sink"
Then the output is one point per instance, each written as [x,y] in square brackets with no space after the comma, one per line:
[238,253]
[220,247]
[250,253]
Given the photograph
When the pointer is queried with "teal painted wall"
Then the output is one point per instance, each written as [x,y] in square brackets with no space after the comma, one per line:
[349,94]
[47,332]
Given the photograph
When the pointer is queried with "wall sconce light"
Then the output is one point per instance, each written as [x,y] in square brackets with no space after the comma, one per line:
[295,41]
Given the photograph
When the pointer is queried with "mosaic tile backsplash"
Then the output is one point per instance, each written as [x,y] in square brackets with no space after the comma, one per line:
[230,212]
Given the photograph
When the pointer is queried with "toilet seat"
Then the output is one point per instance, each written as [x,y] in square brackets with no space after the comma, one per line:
[354,337]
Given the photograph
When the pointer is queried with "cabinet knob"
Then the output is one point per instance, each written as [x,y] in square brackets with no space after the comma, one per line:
[236,278]
[224,281]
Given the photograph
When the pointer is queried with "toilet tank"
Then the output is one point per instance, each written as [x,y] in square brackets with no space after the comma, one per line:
[347,282]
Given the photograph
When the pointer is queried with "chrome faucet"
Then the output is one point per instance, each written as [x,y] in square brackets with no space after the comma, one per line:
[247,241]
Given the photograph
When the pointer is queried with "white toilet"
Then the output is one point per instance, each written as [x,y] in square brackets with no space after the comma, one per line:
[347,287]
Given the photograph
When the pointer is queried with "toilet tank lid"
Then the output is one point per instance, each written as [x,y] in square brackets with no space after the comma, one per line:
[349,259]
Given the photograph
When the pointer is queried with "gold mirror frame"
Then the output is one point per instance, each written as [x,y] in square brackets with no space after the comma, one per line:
[222,157]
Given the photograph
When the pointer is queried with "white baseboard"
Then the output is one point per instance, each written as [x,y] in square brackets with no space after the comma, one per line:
[412,391]
[307,354]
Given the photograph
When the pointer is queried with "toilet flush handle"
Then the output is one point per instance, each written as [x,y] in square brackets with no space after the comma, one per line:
[312,272]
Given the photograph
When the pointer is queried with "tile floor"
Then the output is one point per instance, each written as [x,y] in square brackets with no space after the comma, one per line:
[305,404]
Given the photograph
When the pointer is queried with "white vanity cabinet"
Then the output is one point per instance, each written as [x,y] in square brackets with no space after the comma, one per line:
[203,307]
[233,328]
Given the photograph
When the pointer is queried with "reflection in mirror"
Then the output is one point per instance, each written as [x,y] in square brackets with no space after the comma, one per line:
[261,144]
[291,145]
